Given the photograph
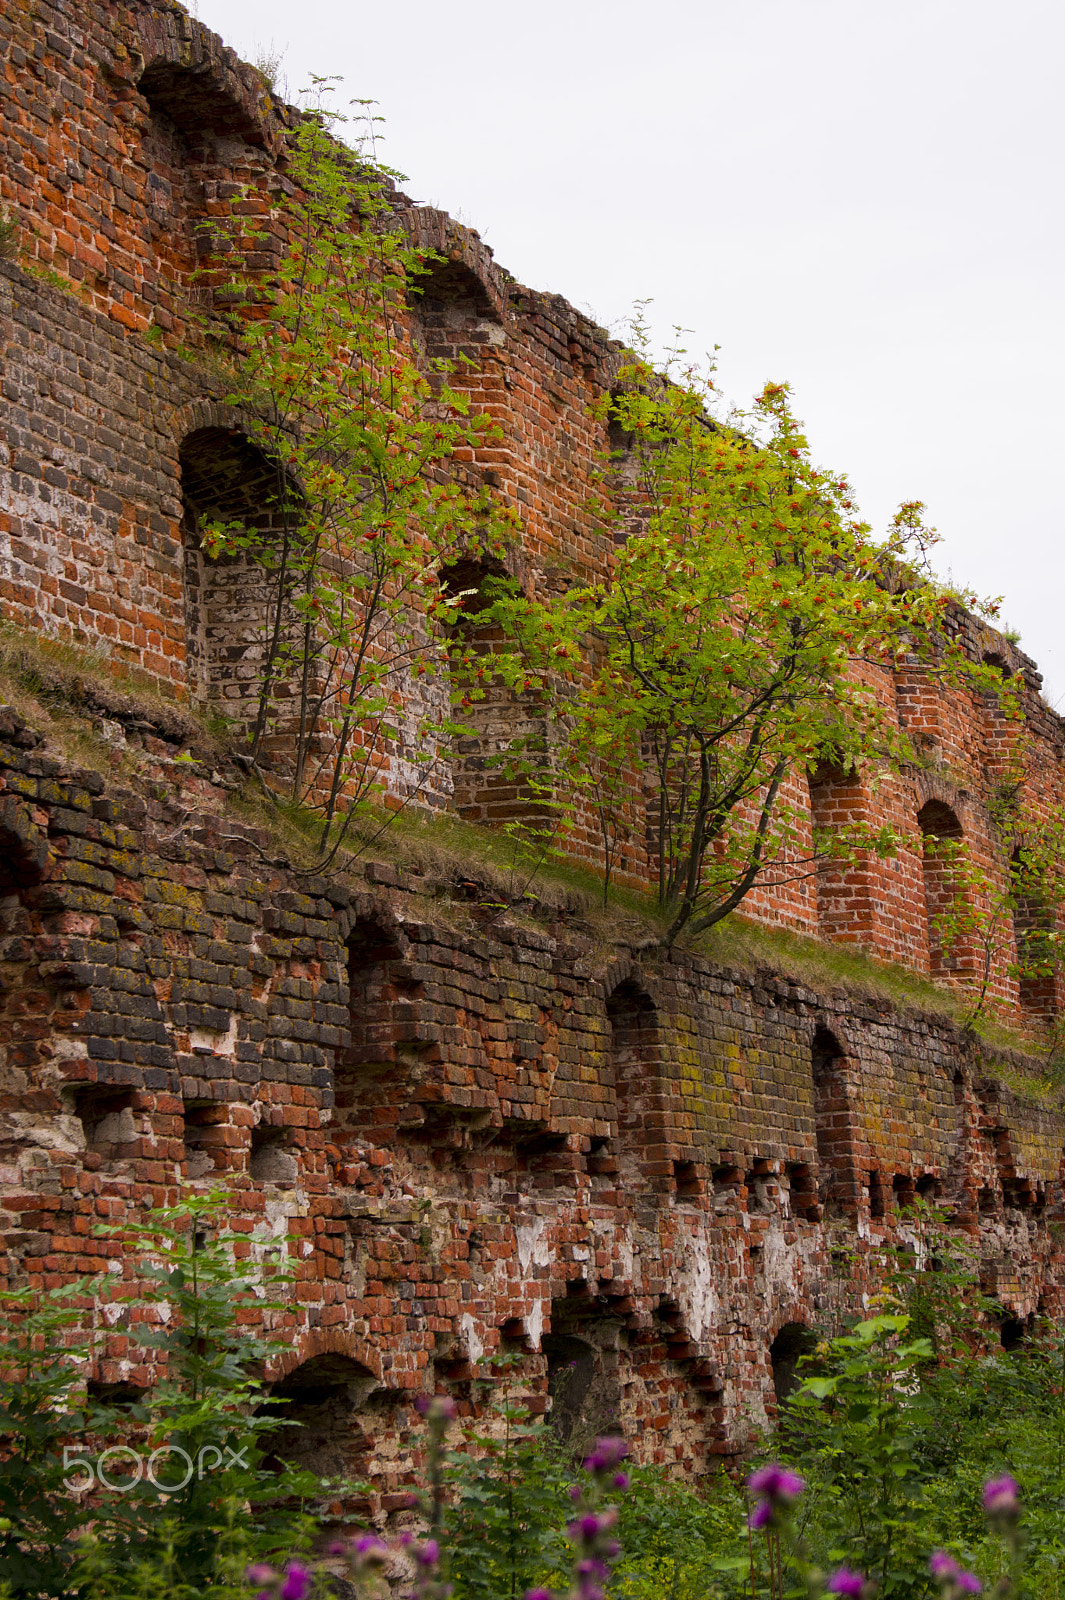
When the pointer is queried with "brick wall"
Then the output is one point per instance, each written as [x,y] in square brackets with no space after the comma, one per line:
[467,1136]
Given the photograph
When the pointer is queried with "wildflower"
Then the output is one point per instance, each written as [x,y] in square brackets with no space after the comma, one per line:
[297,1584]
[539,1594]
[1002,1500]
[761,1516]
[621,1480]
[436,1407]
[608,1452]
[428,1554]
[846,1582]
[776,1483]
[942,1566]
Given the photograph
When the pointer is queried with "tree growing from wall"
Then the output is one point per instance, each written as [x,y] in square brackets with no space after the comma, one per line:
[347,681]
[736,641]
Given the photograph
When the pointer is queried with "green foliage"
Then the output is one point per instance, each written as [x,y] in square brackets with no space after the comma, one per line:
[230,1510]
[856,1419]
[678,1543]
[505,1526]
[367,506]
[727,649]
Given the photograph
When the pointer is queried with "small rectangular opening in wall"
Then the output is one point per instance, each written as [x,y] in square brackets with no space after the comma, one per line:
[929,1187]
[987,1200]
[106,1115]
[270,1160]
[204,1138]
[601,1161]
[726,1178]
[802,1190]
[688,1179]
[903,1190]
[876,1195]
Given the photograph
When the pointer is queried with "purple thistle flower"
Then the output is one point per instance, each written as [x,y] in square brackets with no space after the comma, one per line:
[942,1566]
[621,1480]
[539,1594]
[588,1526]
[260,1573]
[428,1554]
[1002,1496]
[968,1583]
[846,1582]
[575,1492]
[761,1516]
[297,1584]
[776,1483]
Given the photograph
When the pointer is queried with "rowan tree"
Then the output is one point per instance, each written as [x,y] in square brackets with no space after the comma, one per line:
[351,666]
[736,638]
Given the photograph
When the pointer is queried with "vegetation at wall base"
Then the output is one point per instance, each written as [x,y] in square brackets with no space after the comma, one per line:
[886,1449]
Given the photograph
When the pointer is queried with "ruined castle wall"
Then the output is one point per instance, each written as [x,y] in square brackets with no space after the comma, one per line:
[133,140]
[467,1135]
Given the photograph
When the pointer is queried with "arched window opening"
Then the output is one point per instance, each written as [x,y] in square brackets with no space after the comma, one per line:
[837,1179]
[843,891]
[939,824]
[453,321]
[231,602]
[636,1063]
[1012,1330]
[793,1342]
[502,758]
[929,1188]
[583,1358]
[373,1076]
[326,1400]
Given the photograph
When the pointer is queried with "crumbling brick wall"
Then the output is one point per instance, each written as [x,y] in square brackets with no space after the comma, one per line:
[469,1136]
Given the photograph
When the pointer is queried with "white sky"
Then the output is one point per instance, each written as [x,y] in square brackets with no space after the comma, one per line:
[863,197]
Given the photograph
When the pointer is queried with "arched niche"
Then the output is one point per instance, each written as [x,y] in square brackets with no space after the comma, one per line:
[635,1056]
[1032,921]
[231,601]
[500,761]
[939,822]
[376,1073]
[838,1181]
[844,891]
[453,320]
[794,1341]
[329,1423]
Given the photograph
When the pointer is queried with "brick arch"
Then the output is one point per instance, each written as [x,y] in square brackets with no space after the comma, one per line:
[466,267]
[938,819]
[325,1342]
[200,83]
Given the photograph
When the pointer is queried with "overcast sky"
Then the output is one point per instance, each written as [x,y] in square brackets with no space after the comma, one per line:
[862,198]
